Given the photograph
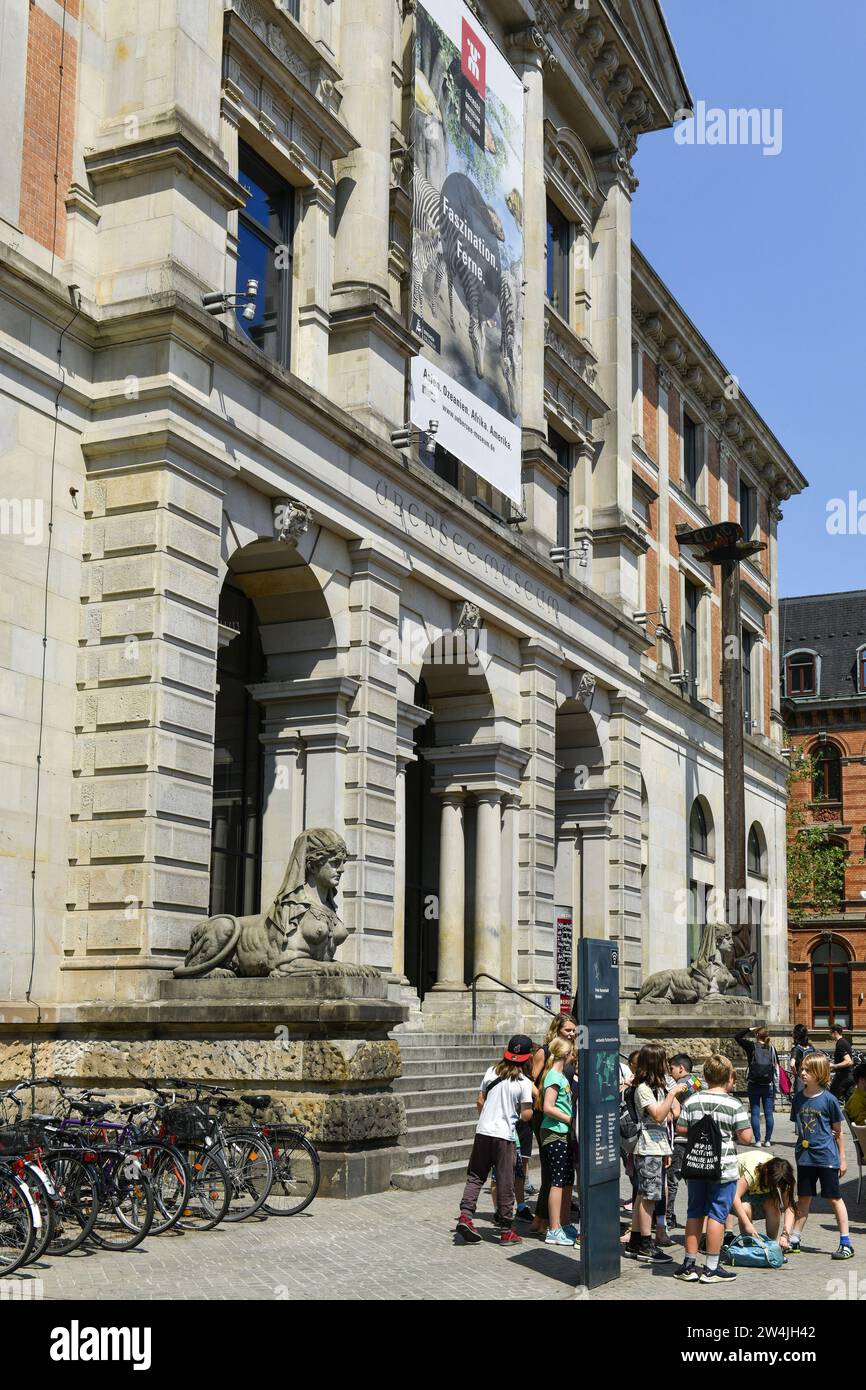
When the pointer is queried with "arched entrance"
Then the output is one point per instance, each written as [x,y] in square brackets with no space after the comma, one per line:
[280,722]
[831,984]
[582,833]
[461,792]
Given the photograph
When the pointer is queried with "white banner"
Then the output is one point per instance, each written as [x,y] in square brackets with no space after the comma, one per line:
[467,243]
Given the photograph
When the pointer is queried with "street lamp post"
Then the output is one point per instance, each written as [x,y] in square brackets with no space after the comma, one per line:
[722,545]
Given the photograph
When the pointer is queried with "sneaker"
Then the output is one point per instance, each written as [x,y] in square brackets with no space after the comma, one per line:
[648,1253]
[794,1248]
[524,1213]
[510,1237]
[663,1240]
[720,1275]
[687,1273]
[845,1252]
[466,1230]
[573,1231]
[558,1237]
[528,1189]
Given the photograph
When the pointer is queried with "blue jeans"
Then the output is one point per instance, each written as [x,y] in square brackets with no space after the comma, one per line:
[758,1096]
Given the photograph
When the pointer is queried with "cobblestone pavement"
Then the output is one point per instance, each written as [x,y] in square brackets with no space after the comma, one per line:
[400,1245]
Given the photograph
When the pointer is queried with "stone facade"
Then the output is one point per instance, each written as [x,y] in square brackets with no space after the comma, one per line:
[247,582]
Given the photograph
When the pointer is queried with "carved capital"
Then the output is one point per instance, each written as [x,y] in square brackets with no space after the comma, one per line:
[529,41]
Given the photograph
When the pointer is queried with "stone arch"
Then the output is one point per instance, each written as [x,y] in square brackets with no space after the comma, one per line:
[583,804]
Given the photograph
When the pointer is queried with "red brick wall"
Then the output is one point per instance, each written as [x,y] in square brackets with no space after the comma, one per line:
[650,409]
[41,199]
[849,926]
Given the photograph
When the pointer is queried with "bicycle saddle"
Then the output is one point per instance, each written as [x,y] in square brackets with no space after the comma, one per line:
[257,1102]
[92,1109]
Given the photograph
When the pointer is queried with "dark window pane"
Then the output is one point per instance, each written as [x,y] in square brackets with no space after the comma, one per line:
[692,595]
[691,456]
[264,254]
[821,987]
[748,642]
[558,230]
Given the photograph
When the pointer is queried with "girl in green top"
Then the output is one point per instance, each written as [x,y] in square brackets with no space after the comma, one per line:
[557,1150]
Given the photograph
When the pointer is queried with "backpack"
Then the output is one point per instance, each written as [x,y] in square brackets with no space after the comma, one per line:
[702,1160]
[762,1067]
[629,1123]
[754,1252]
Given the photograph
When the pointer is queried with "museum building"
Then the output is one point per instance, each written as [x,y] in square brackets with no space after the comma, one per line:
[242,598]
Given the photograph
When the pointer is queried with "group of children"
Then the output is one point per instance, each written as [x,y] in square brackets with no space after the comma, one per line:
[509,1101]
[686,1128]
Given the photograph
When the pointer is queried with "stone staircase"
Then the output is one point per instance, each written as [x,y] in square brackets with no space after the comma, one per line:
[438,1086]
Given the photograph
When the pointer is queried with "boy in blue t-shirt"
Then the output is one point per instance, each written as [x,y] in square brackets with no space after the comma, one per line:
[820,1150]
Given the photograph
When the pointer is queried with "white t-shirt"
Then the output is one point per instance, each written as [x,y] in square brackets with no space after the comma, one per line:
[502,1106]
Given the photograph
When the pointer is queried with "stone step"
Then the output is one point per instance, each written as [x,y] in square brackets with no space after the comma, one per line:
[438,1081]
[420,1179]
[453,1150]
[465,1113]
[497,1041]
[431,1066]
[443,1098]
[484,1056]
[428,1137]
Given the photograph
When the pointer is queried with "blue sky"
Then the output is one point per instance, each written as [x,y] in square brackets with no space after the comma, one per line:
[767,254]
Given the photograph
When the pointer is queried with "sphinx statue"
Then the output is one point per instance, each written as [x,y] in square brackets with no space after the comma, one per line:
[715,971]
[300,931]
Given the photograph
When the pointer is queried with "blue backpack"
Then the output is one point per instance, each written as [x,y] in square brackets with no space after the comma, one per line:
[754,1252]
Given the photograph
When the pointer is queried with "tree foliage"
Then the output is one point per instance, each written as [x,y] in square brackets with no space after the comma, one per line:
[816,866]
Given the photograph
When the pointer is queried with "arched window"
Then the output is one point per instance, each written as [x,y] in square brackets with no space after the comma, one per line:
[861,671]
[801,674]
[699,835]
[827,779]
[757,852]
[831,985]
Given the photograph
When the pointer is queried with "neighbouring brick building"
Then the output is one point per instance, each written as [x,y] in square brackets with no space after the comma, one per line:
[823,640]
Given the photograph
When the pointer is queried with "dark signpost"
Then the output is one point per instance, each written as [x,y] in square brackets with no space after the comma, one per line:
[597,1010]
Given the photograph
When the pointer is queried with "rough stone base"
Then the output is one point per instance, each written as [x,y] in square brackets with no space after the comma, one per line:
[317,1045]
[698,1030]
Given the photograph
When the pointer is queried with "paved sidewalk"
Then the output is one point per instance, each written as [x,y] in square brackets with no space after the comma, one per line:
[400,1245]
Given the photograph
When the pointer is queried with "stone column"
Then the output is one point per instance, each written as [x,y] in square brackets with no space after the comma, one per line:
[487,944]
[616,538]
[378,571]
[537,833]
[527,57]
[509,886]
[283,818]
[409,717]
[626,922]
[449,974]
[314,286]
[370,343]
[594,876]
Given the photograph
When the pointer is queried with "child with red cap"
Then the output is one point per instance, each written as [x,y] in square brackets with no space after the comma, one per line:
[505,1096]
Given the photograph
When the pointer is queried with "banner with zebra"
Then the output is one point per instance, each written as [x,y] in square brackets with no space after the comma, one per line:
[467,243]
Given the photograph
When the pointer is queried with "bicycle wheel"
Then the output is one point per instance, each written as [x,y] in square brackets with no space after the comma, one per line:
[17,1223]
[127,1206]
[166,1170]
[209,1191]
[42,1191]
[248,1157]
[75,1202]
[297,1172]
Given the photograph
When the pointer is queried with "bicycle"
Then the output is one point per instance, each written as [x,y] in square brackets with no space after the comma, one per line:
[297,1169]
[245,1153]
[66,1181]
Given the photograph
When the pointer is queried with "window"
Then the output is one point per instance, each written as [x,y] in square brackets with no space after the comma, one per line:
[827,780]
[699,835]
[690,645]
[446,466]
[800,676]
[636,391]
[831,986]
[756,855]
[265,231]
[748,509]
[237,782]
[748,642]
[691,456]
[861,671]
[558,235]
